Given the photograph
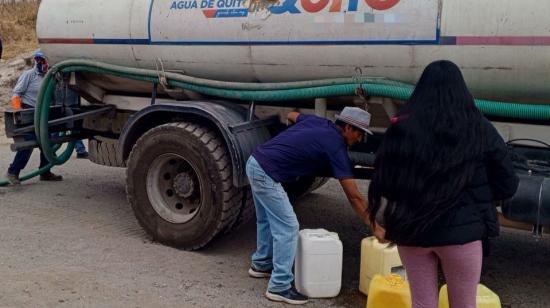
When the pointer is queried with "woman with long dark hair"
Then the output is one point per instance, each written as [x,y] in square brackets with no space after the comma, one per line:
[438,170]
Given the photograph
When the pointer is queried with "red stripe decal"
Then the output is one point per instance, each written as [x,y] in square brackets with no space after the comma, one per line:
[210,13]
[64,41]
[503,40]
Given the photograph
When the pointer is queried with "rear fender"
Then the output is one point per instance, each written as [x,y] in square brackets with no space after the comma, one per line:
[229,120]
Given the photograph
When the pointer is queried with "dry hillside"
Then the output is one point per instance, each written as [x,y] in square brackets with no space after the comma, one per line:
[18,27]
[18,34]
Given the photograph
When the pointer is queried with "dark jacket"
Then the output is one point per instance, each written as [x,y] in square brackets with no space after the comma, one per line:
[475,216]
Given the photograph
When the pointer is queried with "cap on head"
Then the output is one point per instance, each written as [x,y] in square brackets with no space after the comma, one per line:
[39,54]
[356,117]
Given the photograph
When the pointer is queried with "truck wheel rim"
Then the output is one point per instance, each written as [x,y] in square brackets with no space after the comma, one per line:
[174,188]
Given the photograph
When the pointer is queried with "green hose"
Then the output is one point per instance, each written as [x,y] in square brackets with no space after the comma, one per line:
[294,90]
[44,169]
[29,175]
[229,90]
[261,92]
[41,119]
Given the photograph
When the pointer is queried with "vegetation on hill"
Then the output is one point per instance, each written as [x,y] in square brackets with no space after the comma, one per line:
[18,28]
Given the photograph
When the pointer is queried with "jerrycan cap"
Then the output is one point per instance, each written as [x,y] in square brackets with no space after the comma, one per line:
[395,281]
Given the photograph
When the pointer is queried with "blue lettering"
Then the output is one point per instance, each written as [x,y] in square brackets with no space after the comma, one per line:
[180,5]
[352,7]
[287,6]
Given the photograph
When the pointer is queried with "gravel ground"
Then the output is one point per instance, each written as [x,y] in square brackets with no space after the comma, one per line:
[76,243]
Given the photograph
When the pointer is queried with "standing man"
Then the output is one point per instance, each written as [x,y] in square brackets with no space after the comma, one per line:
[312,146]
[24,96]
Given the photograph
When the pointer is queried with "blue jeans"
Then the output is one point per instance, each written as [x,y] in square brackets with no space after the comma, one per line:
[79,147]
[277,228]
[22,158]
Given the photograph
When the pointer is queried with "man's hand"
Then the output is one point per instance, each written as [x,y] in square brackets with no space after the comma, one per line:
[358,202]
[16,102]
[293,117]
[380,233]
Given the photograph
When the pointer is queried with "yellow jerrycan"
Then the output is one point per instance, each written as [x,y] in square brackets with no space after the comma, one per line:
[485,298]
[389,292]
[377,258]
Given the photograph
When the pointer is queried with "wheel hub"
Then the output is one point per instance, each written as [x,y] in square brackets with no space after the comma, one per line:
[174,188]
[184,185]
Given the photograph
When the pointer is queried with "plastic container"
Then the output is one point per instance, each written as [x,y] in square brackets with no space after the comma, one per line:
[318,267]
[378,258]
[389,292]
[485,298]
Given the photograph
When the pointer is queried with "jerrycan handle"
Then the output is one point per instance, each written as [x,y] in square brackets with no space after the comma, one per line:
[318,233]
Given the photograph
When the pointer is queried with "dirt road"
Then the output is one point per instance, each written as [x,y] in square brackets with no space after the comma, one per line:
[76,243]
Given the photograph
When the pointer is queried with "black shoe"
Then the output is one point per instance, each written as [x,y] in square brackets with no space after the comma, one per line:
[256,273]
[82,155]
[290,296]
[49,176]
[13,179]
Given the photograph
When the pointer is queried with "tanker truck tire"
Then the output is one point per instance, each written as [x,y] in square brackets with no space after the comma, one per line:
[246,213]
[303,186]
[104,151]
[179,184]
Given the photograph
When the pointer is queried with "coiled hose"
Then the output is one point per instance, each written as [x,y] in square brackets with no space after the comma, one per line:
[262,92]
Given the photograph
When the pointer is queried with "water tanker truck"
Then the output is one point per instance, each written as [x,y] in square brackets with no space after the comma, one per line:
[181,92]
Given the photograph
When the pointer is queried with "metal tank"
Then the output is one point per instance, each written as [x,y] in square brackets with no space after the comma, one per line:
[502,46]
